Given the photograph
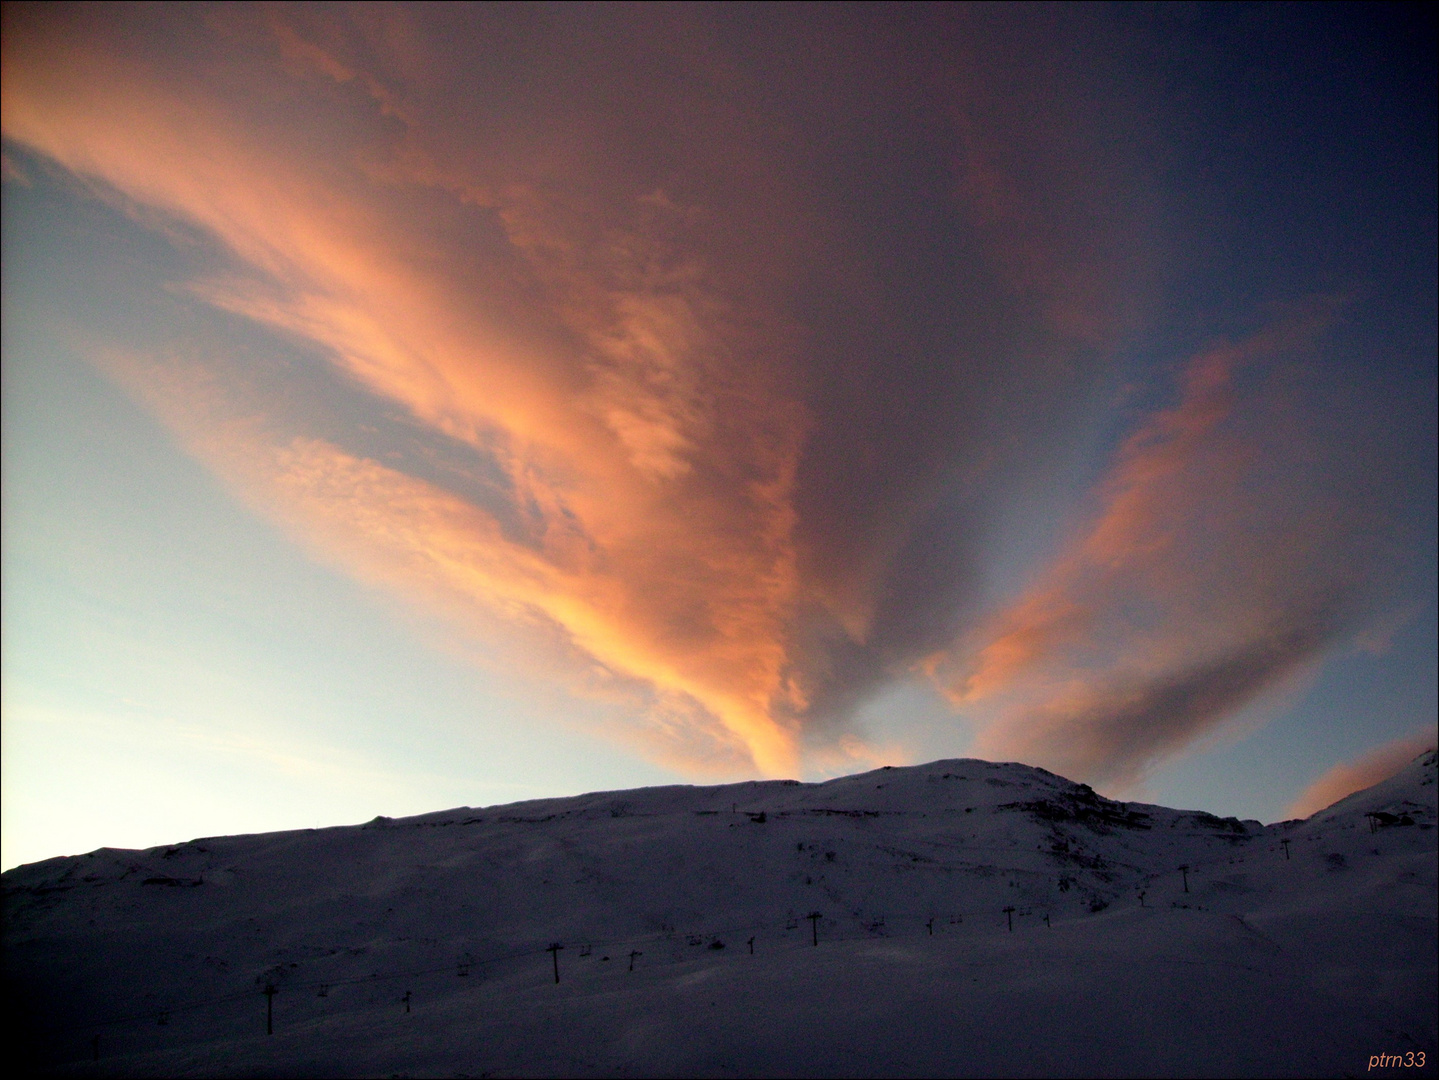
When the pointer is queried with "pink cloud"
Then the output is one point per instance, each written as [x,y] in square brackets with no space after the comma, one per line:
[651,276]
[1199,583]
[1372,768]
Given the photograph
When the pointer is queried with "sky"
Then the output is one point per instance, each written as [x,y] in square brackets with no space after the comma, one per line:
[418,406]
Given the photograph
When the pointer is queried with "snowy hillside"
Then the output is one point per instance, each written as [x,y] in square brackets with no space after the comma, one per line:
[970,918]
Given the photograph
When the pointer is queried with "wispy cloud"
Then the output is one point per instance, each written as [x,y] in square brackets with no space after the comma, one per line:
[1215,566]
[663,382]
[1371,768]
[649,459]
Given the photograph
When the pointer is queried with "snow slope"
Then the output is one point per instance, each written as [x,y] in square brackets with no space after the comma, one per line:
[419,946]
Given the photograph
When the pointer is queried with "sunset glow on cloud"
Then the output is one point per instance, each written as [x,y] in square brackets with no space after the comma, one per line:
[697,361]
[649,467]
[1348,777]
[1213,569]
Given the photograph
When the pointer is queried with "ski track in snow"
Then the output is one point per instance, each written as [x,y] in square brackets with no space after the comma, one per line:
[421,946]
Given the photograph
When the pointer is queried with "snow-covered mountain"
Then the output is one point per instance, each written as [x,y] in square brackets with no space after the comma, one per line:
[957,918]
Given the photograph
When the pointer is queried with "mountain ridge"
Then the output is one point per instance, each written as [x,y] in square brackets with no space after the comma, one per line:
[955,859]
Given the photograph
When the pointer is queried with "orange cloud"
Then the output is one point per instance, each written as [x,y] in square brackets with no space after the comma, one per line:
[650,469]
[451,557]
[1372,768]
[1198,584]
[719,433]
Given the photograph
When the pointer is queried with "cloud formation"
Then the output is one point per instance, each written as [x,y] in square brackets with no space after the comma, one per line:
[1372,768]
[1217,563]
[701,347]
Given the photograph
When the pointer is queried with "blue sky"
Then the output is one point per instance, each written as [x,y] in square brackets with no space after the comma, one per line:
[406,409]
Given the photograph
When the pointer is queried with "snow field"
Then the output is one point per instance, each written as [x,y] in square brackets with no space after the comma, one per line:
[1268,965]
